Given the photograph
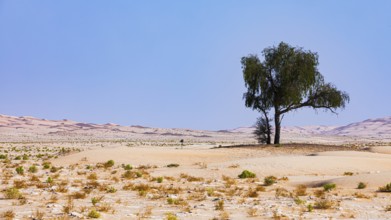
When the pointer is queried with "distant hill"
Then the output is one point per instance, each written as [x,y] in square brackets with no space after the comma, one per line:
[27,128]
[376,128]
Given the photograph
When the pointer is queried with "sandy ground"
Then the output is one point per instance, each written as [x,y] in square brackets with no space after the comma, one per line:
[61,170]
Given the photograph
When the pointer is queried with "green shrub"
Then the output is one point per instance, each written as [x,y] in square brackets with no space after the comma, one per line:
[361,185]
[25,157]
[20,170]
[386,188]
[329,186]
[173,165]
[159,179]
[94,214]
[246,174]
[3,156]
[270,180]
[128,167]
[49,180]
[109,163]
[46,165]
[33,169]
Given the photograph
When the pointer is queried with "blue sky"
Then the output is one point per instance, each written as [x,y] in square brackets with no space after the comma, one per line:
[177,63]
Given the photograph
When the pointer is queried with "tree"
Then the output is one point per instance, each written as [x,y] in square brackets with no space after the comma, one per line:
[288,79]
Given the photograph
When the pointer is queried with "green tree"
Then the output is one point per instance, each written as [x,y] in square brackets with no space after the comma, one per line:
[286,80]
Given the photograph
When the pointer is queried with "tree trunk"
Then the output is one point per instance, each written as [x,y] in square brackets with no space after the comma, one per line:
[269,139]
[277,122]
[268,128]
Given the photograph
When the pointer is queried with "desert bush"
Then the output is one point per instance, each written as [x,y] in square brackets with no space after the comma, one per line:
[128,167]
[386,188]
[8,215]
[329,186]
[159,179]
[54,169]
[67,208]
[61,188]
[388,208]
[246,174]
[19,184]
[94,214]
[38,215]
[270,180]
[111,189]
[324,204]
[361,185]
[171,216]
[173,165]
[319,193]
[252,193]
[33,169]
[252,212]
[92,176]
[301,190]
[3,156]
[105,207]
[219,205]
[281,192]
[19,170]
[229,181]
[348,173]
[360,196]
[49,180]
[12,193]
[95,200]
[46,165]
[79,195]
[109,163]
[191,178]
[34,178]
[298,201]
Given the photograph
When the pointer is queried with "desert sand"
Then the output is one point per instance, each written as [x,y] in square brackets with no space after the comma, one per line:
[116,172]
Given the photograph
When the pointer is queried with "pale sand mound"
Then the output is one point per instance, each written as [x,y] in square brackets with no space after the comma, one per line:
[159,156]
[323,166]
[381,149]
[373,180]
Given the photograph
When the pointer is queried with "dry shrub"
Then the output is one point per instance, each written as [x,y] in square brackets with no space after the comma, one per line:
[191,178]
[78,195]
[301,190]
[252,212]
[324,204]
[8,215]
[19,184]
[145,212]
[319,193]
[92,176]
[219,205]
[281,192]
[252,193]
[67,208]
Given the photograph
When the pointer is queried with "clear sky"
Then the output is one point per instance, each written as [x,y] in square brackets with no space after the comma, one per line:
[177,63]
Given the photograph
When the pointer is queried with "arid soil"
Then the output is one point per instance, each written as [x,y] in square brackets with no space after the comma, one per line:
[119,180]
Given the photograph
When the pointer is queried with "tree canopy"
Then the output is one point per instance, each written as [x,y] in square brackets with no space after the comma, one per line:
[287,79]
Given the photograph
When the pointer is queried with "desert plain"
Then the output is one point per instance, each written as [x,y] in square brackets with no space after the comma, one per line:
[69,170]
